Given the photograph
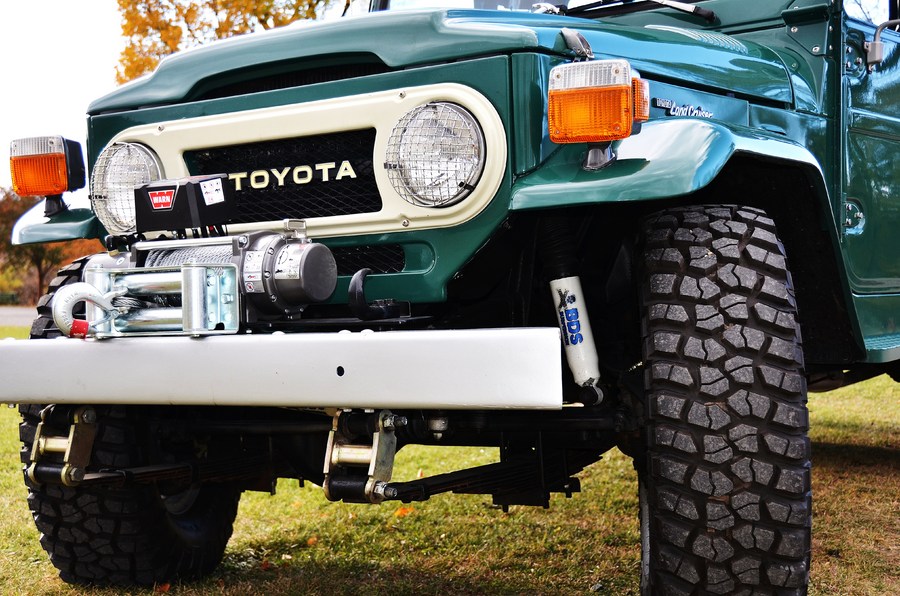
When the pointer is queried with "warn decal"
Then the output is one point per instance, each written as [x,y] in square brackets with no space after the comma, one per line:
[162,199]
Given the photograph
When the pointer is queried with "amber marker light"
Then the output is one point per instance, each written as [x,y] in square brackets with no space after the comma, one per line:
[590,102]
[640,89]
[45,166]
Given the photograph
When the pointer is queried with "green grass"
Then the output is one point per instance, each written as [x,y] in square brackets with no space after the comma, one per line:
[14,332]
[298,542]
[855,434]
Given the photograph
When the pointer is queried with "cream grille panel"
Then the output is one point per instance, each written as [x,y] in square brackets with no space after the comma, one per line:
[381,111]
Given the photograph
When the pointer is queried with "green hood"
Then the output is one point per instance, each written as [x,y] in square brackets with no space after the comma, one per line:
[403,39]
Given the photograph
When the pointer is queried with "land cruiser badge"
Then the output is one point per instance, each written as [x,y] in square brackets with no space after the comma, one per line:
[673,109]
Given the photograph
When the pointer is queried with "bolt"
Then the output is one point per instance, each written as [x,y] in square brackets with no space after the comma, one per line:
[273,298]
[815,49]
[392,422]
[849,50]
[73,475]
[405,223]
[794,29]
[848,222]
[89,416]
[382,489]
[160,128]
[402,94]
[243,241]
[267,275]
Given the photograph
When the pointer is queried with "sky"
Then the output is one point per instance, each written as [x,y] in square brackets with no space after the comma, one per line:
[57,57]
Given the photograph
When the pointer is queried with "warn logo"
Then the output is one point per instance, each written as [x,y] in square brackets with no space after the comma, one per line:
[162,199]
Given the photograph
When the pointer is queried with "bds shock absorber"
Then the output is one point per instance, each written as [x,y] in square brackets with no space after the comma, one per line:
[560,266]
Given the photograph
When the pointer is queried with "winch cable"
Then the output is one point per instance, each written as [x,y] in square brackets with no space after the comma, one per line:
[207,255]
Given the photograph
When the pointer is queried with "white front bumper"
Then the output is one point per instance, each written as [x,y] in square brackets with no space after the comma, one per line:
[459,369]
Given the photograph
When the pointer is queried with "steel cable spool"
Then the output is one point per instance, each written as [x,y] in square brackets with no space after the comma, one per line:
[179,256]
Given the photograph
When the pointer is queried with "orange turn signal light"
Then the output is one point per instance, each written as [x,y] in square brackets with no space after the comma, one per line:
[596,101]
[45,166]
[590,115]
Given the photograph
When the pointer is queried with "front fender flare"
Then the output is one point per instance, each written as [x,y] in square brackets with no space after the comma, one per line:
[668,158]
[78,221]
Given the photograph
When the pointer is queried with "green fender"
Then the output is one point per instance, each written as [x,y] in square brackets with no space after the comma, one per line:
[74,223]
[668,158]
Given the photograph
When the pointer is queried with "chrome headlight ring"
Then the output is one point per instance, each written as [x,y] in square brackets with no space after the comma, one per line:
[120,168]
[435,154]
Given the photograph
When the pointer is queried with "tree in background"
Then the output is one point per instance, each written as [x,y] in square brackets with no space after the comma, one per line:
[27,269]
[156,28]
[874,11]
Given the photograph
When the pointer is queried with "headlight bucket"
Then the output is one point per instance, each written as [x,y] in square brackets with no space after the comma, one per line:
[120,168]
[435,154]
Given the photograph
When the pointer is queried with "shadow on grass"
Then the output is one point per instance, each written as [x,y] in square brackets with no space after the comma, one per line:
[417,575]
[347,577]
[352,568]
[835,455]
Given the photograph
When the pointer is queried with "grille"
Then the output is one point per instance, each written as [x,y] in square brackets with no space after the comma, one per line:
[384,258]
[291,178]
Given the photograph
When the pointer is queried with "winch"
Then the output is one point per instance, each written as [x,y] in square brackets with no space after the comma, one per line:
[201,286]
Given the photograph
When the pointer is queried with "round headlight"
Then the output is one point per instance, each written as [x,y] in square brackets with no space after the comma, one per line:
[120,168]
[435,154]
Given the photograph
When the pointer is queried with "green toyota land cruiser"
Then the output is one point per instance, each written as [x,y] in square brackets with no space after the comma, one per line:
[553,230]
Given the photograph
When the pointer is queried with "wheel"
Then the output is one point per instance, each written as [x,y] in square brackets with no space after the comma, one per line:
[725,480]
[138,535]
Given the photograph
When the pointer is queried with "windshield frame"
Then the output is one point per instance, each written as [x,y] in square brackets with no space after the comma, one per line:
[615,7]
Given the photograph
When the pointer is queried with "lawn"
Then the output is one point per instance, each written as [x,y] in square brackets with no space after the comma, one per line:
[298,542]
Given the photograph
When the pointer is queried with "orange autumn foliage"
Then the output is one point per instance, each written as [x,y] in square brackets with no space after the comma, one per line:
[156,28]
[30,267]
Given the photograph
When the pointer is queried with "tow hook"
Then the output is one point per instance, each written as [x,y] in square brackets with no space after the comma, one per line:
[377,310]
[68,297]
[349,452]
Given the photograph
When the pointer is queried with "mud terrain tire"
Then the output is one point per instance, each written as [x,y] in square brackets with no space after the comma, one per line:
[725,483]
[122,536]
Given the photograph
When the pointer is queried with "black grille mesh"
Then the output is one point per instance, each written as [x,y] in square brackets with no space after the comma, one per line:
[383,258]
[316,198]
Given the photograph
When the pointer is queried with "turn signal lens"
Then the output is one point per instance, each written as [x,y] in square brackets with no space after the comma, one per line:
[45,166]
[641,92]
[590,102]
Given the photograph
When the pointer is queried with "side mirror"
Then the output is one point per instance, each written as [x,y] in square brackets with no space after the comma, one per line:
[875,48]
